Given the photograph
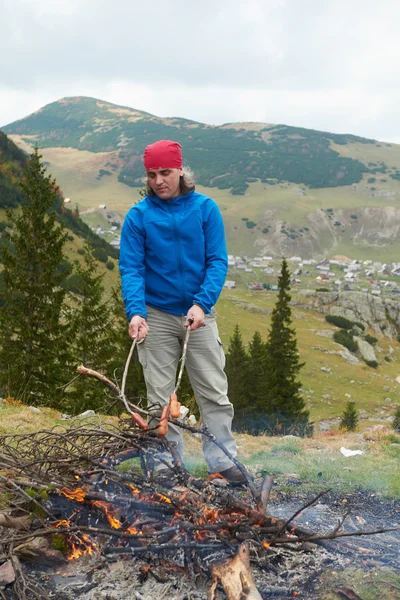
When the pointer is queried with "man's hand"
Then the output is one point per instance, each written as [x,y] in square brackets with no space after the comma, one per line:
[138,328]
[197,314]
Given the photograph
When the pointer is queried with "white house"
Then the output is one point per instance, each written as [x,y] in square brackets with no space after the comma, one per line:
[230,284]
[102,205]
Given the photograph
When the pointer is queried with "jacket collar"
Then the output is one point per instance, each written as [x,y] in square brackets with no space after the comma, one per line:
[172,202]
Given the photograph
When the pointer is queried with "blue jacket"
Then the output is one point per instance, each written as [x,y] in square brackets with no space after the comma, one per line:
[172,255]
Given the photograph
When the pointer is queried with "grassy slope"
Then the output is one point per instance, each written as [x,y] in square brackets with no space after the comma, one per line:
[365,385]
[76,172]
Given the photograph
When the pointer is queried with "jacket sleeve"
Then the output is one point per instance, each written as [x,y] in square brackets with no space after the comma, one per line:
[131,265]
[216,259]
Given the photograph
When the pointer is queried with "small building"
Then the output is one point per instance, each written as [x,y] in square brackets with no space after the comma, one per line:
[103,206]
[230,284]
[67,200]
[255,285]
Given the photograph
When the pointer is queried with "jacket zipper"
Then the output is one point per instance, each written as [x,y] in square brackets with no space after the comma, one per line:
[180,258]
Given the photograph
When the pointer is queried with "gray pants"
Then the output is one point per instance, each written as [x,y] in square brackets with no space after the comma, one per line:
[159,356]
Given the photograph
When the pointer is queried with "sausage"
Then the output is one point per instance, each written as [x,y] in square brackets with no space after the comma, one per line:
[174,406]
[139,421]
[163,424]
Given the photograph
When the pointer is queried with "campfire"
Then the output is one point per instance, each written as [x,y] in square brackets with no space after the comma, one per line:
[73,497]
[67,487]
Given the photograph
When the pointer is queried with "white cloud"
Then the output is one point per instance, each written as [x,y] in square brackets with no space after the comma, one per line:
[325,65]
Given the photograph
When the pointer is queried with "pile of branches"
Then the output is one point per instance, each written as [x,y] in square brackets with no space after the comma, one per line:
[68,483]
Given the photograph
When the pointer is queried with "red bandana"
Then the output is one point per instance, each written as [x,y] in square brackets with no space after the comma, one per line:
[163,155]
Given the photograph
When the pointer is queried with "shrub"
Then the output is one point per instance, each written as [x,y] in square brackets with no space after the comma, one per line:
[354,216]
[337,223]
[81,251]
[349,418]
[250,224]
[372,363]
[110,265]
[338,321]
[396,420]
[345,338]
[322,289]
[360,325]
[371,339]
[265,230]
[100,255]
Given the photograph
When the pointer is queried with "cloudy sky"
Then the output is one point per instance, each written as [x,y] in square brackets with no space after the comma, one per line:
[324,64]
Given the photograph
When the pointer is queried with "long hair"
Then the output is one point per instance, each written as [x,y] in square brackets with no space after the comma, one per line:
[186,183]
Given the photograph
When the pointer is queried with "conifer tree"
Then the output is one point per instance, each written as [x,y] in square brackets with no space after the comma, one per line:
[236,371]
[32,353]
[396,419]
[284,402]
[257,364]
[91,334]
[349,419]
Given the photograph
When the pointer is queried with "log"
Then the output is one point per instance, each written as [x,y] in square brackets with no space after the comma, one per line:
[235,576]
[18,523]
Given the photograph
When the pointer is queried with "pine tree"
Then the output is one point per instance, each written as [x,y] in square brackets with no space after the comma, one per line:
[396,419]
[32,354]
[349,418]
[91,333]
[257,364]
[236,371]
[284,403]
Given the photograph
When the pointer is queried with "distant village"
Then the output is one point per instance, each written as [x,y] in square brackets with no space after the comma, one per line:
[262,272]
[327,275]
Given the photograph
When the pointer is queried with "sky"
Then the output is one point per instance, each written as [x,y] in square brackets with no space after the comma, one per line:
[331,65]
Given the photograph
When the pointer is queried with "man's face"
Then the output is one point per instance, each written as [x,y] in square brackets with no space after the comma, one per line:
[165,182]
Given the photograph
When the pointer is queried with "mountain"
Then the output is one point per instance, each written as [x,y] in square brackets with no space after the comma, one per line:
[282,190]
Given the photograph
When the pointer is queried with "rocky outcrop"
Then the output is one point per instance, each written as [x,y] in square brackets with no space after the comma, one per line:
[366,350]
[378,313]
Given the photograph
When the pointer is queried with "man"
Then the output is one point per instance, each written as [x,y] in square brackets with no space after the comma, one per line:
[173,264]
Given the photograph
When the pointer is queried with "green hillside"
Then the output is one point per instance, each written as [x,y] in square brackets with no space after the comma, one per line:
[282,190]
[224,157]
[12,163]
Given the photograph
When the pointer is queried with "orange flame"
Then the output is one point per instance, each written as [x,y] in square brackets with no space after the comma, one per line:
[266,545]
[114,522]
[78,494]
[61,523]
[162,498]
[85,546]
[133,531]
[134,489]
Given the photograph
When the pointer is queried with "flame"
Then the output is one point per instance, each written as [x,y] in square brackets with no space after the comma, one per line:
[78,494]
[266,545]
[134,489]
[114,522]
[84,546]
[162,498]
[210,515]
[62,522]
[132,530]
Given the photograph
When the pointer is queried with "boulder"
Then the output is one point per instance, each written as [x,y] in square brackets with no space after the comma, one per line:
[366,350]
